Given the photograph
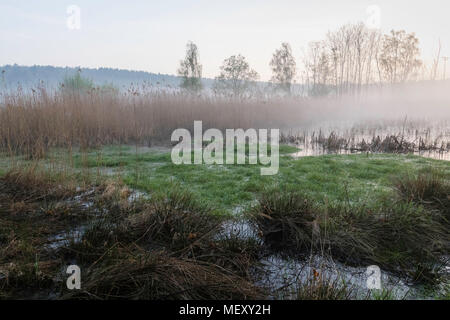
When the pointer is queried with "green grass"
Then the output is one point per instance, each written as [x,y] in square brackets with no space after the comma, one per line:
[329,178]
[358,178]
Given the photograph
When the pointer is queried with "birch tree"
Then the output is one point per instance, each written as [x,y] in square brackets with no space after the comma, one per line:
[283,67]
[190,69]
[236,77]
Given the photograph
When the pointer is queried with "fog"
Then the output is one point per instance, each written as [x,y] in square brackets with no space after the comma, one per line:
[422,101]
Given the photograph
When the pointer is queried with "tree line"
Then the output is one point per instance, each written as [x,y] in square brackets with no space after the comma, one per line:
[348,61]
[236,78]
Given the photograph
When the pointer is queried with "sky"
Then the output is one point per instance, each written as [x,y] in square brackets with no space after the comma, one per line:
[152,35]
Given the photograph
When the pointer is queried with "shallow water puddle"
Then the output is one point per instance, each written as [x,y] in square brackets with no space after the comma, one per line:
[64,238]
[283,274]
[241,229]
[75,234]
[279,272]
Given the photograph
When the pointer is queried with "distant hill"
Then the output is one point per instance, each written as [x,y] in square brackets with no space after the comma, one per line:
[27,77]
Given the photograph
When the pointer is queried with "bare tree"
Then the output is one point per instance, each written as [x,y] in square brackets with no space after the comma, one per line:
[435,66]
[236,77]
[445,67]
[400,56]
[190,69]
[354,58]
[318,67]
[283,67]
[353,52]
[373,47]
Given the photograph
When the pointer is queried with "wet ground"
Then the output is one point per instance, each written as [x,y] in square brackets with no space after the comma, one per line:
[284,273]
[277,271]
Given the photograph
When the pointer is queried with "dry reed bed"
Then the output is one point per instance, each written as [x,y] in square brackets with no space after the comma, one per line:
[32,124]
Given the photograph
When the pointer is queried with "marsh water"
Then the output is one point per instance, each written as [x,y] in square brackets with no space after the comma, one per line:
[430,139]
[308,150]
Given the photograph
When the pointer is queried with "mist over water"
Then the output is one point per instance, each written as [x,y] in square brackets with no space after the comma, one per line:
[416,113]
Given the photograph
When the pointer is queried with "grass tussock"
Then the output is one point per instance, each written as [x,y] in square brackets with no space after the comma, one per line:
[156,276]
[400,238]
[325,287]
[171,246]
[429,188]
[33,184]
[322,286]
[176,220]
[285,218]
[167,247]
[35,208]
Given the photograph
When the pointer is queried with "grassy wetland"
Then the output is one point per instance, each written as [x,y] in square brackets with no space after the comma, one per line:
[87,179]
[352,204]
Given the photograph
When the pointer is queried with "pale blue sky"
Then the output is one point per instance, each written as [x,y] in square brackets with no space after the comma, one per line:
[151,35]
